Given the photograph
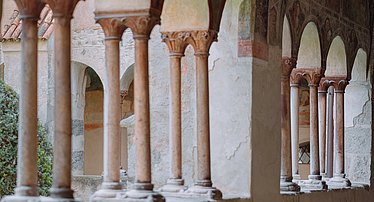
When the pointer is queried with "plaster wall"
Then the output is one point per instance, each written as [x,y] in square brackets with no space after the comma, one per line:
[310,49]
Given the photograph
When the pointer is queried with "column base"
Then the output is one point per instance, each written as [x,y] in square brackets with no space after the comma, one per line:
[205,191]
[16,198]
[173,185]
[62,193]
[29,191]
[140,196]
[315,183]
[108,190]
[339,182]
[289,187]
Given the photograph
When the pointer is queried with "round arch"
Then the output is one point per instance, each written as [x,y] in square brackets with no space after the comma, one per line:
[336,63]
[286,39]
[309,54]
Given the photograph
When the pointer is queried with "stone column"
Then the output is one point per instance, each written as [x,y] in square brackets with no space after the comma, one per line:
[315,182]
[286,183]
[339,180]
[27,174]
[111,186]
[176,45]
[141,27]
[294,108]
[322,90]
[201,42]
[62,14]
[330,133]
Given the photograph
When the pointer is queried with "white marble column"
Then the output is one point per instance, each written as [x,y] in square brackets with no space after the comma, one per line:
[294,108]
[330,133]
[322,91]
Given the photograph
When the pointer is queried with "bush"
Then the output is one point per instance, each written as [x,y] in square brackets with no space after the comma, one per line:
[8,146]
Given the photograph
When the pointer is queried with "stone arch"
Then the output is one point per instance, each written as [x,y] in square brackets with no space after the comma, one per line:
[336,63]
[309,53]
[127,77]
[286,39]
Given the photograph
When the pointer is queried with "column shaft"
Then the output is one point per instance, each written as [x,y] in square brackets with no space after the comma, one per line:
[141,108]
[175,117]
[314,147]
[112,114]
[295,130]
[62,114]
[330,133]
[339,127]
[286,165]
[203,131]
[27,175]
[322,129]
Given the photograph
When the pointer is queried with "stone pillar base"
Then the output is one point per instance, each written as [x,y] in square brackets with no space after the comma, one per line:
[296,178]
[339,182]
[15,198]
[140,196]
[313,185]
[206,192]
[62,193]
[289,187]
[174,185]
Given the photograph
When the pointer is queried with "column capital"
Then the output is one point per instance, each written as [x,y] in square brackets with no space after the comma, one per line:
[201,40]
[324,84]
[141,26]
[176,42]
[113,28]
[339,83]
[29,9]
[288,64]
[311,75]
[62,8]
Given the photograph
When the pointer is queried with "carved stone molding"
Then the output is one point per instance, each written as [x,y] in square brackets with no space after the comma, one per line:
[311,75]
[113,28]
[201,40]
[176,42]
[288,64]
[141,26]
[339,83]
[62,8]
[29,9]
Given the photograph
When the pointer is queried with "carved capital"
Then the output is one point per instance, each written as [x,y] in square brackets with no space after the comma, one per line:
[29,9]
[113,28]
[201,40]
[62,8]
[288,64]
[311,75]
[141,26]
[176,42]
[124,93]
[339,83]
[324,84]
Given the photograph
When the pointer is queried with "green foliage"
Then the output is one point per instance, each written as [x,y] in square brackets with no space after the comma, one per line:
[8,145]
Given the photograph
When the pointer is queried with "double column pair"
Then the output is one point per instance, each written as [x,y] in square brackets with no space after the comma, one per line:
[338,84]
[142,189]
[313,77]
[177,43]
[27,179]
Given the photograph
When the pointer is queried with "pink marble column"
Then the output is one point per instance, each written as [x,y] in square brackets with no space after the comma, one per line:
[286,183]
[322,91]
[176,45]
[111,186]
[201,42]
[294,108]
[27,174]
[339,180]
[62,14]
[330,133]
[142,188]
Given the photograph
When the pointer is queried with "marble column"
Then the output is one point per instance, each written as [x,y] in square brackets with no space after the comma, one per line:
[176,45]
[286,183]
[294,108]
[142,188]
[62,15]
[201,42]
[322,91]
[315,181]
[330,133]
[27,174]
[339,180]
[111,186]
